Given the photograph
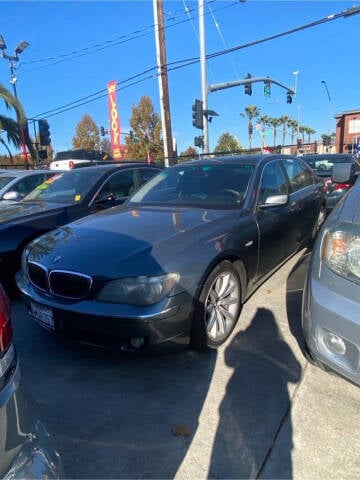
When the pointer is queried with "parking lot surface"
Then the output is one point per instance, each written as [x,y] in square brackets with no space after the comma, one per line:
[253,409]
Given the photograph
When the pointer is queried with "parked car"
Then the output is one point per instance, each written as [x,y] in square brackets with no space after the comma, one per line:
[179,259]
[69,159]
[16,184]
[61,199]
[323,164]
[26,448]
[331,299]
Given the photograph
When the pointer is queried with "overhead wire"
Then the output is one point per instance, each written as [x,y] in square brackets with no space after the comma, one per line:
[190,61]
[104,45]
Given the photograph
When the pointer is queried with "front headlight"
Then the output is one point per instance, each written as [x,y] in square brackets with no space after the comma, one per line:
[138,290]
[340,251]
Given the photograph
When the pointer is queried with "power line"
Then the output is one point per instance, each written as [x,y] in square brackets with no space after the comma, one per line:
[108,43]
[190,61]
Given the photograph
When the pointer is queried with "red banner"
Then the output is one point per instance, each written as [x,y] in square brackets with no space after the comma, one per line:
[114,121]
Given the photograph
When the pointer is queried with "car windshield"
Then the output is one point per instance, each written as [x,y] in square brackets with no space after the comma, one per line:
[5,180]
[67,187]
[206,185]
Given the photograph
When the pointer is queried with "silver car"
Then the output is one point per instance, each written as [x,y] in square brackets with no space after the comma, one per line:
[16,184]
[26,449]
[331,300]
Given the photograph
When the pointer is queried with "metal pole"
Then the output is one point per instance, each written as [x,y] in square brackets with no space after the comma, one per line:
[163,83]
[204,91]
[13,78]
[328,94]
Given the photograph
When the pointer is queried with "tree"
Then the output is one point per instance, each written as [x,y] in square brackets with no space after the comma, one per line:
[264,122]
[189,154]
[87,134]
[106,145]
[10,126]
[294,126]
[302,130]
[251,112]
[309,132]
[227,143]
[145,124]
[284,121]
[275,122]
[328,140]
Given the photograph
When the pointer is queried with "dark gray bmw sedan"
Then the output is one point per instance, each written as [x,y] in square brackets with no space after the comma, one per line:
[177,261]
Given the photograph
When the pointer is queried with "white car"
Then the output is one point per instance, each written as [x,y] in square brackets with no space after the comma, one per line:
[70,159]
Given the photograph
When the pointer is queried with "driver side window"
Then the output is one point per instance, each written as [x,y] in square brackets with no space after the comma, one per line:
[273,182]
[121,184]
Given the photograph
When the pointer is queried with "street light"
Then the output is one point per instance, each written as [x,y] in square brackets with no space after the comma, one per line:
[15,58]
[296,73]
[12,58]
[328,94]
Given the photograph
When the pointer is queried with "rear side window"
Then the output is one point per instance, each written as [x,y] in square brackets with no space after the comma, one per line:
[299,175]
[147,173]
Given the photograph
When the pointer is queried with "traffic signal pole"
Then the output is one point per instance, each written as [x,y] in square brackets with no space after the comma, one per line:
[204,88]
[245,81]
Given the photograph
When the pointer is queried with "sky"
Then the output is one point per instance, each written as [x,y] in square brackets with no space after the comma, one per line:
[76,48]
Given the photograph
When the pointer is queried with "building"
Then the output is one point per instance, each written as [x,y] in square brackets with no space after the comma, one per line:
[347,131]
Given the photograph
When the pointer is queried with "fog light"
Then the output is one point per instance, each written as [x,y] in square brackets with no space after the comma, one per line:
[137,342]
[334,343]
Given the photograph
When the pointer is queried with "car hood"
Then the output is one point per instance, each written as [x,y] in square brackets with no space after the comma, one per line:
[17,211]
[133,242]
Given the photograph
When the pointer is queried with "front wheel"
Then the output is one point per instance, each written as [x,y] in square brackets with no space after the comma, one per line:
[218,308]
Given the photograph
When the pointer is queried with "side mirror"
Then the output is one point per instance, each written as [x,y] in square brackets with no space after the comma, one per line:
[105,199]
[342,172]
[275,201]
[12,195]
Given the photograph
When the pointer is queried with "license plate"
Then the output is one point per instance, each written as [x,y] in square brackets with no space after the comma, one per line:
[43,315]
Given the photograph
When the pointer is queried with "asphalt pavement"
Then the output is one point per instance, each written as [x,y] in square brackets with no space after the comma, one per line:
[256,408]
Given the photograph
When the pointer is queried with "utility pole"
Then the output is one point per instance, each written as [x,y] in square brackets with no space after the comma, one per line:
[163,81]
[204,89]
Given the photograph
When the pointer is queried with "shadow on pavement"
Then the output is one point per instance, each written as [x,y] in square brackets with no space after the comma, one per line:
[256,401]
[123,415]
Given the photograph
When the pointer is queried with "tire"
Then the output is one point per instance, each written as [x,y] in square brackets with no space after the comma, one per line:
[218,308]
[319,221]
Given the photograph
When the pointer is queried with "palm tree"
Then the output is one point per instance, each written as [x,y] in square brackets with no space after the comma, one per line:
[293,124]
[251,112]
[275,122]
[10,126]
[310,132]
[284,121]
[303,130]
[264,121]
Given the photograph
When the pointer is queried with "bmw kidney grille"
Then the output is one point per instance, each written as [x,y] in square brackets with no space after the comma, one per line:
[62,283]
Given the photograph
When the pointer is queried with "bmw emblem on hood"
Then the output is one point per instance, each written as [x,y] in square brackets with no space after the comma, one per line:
[56,259]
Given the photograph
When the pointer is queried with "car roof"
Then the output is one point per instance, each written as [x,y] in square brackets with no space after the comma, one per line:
[22,173]
[327,155]
[248,159]
[108,167]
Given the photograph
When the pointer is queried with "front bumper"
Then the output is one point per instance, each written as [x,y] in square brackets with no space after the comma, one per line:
[113,325]
[331,323]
